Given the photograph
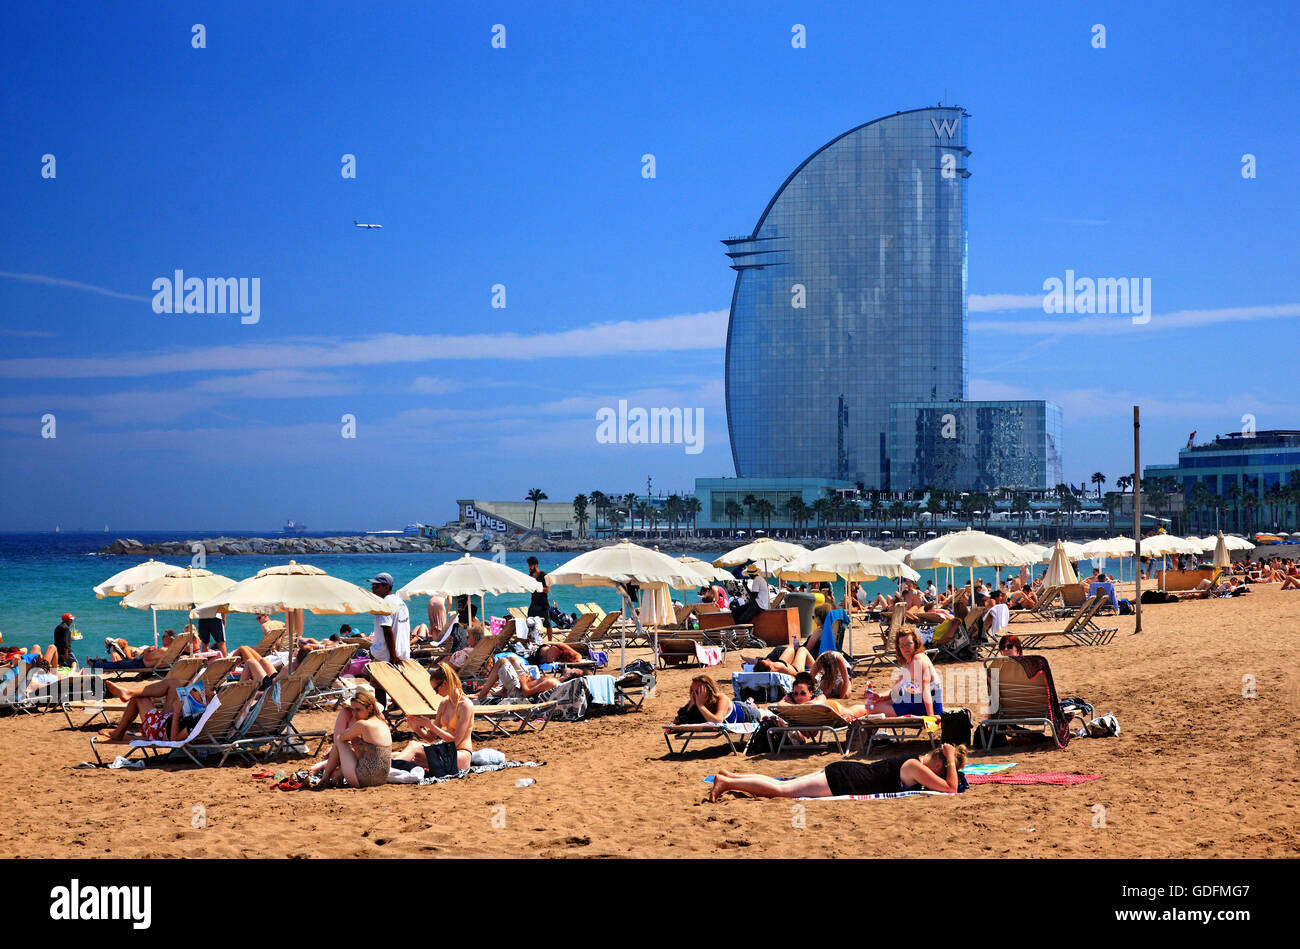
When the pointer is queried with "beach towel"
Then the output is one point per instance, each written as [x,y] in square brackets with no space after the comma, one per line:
[482,769]
[1046,777]
[498,623]
[761,686]
[708,655]
[601,688]
[971,769]
[827,637]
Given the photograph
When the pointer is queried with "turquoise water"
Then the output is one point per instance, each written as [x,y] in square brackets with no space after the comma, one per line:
[43,576]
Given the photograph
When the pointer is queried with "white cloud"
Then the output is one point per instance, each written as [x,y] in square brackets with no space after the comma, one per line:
[691,331]
[71,285]
[431,385]
[1069,324]
[997,302]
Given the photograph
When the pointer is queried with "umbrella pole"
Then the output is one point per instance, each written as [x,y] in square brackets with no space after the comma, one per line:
[155,626]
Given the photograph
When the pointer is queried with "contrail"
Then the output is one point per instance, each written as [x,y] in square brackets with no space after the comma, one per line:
[71,284]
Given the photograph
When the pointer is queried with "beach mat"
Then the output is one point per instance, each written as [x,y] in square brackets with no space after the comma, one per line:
[481,769]
[1046,777]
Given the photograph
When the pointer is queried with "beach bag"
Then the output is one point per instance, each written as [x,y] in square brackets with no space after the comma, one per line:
[639,666]
[760,743]
[955,726]
[1125,608]
[1105,727]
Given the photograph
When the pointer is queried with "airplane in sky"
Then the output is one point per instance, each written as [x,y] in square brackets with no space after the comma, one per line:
[367,225]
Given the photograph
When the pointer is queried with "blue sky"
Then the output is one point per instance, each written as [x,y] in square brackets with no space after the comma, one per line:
[522,166]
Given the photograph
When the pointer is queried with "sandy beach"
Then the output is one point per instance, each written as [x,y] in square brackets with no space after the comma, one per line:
[1199,770]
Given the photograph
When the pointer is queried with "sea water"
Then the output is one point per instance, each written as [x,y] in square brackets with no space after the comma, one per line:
[43,576]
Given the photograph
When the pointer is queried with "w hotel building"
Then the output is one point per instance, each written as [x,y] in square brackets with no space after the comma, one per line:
[850,296]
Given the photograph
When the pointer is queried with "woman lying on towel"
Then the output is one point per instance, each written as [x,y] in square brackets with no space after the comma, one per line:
[363,745]
[182,707]
[449,730]
[707,704]
[935,771]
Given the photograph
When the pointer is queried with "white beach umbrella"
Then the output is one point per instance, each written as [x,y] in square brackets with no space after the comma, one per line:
[469,576]
[619,565]
[1221,559]
[708,573]
[764,551]
[291,589]
[124,581]
[971,549]
[176,590]
[848,560]
[1059,571]
[1042,553]
[1233,542]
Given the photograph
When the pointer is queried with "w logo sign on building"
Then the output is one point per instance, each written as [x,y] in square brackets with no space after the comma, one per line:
[945,129]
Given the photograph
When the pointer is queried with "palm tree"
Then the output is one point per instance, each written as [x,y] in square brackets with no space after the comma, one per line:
[1020,505]
[824,510]
[1249,508]
[877,509]
[733,512]
[580,513]
[765,510]
[673,508]
[1232,493]
[1098,479]
[750,503]
[1200,501]
[535,495]
[691,508]
[792,505]
[599,501]
[968,509]
[1124,482]
[643,510]
[615,520]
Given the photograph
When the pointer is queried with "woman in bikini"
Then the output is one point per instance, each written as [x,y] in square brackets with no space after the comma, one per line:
[935,771]
[448,730]
[916,689]
[363,745]
[712,706]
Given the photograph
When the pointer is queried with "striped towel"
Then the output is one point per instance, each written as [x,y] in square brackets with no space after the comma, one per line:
[1047,777]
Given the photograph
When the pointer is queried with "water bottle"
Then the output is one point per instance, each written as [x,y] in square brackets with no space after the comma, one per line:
[525,782]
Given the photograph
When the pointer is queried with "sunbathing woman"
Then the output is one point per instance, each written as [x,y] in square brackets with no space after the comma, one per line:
[509,678]
[935,771]
[548,653]
[182,707]
[144,657]
[916,689]
[363,745]
[1292,579]
[448,731]
[790,660]
[713,706]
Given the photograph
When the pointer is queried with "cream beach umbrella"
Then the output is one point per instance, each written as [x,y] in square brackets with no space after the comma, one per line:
[1043,554]
[708,573]
[291,589]
[470,576]
[124,581]
[180,589]
[971,549]
[765,551]
[1233,542]
[620,565]
[1059,571]
[1221,558]
[848,560]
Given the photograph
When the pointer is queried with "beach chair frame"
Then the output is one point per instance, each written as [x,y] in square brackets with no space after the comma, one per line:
[829,727]
[867,728]
[736,736]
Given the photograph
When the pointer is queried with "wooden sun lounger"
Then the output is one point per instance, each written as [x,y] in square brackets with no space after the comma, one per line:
[405,694]
[1043,609]
[735,735]
[867,727]
[479,662]
[829,727]
[325,683]
[679,652]
[1079,631]
[214,733]
[270,726]
[578,632]
[214,673]
[271,639]
[524,714]
[1021,702]
[173,656]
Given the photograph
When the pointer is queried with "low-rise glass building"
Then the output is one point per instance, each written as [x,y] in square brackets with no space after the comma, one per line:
[1254,462]
[974,446]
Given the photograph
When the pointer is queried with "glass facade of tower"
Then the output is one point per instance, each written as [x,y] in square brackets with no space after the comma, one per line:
[974,446]
[850,294]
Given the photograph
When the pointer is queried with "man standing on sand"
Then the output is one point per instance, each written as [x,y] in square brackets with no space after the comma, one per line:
[391,639]
[63,640]
[541,604]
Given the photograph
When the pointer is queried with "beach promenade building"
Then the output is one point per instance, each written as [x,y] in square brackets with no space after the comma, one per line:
[974,446]
[850,294]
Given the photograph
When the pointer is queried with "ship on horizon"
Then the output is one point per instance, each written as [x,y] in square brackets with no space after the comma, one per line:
[293,527]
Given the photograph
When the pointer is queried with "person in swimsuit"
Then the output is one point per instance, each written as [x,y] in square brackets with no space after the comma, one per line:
[791,660]
[509,679]
[449,730]
[935,771]
[916,689]
[832,673]
[182,707]
[713,706]
[363,745]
